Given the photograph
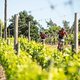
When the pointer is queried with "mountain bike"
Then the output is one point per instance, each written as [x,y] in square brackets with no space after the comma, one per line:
[61,45]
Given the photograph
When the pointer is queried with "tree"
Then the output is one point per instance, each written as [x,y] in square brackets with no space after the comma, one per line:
[52,33]
[66,25]
[72,28]
[50,23]
[24,19]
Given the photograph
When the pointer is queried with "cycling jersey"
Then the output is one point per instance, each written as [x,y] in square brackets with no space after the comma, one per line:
[43,36]
[61,34]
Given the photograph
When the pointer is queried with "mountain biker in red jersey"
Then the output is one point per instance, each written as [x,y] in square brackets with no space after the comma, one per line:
[61,35]
[43,36]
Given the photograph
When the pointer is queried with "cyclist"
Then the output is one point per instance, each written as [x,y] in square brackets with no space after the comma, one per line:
[61,35]
[43,36]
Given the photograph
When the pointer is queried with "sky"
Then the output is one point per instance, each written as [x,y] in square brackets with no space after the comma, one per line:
[41,10]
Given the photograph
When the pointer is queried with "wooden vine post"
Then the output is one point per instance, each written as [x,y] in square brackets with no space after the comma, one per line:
[76,33]
[8,39]
[0,31]
[16,45]
[29,38]
[5,20]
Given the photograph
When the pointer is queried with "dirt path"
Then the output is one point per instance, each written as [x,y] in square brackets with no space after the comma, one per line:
[2,73]
[66,46]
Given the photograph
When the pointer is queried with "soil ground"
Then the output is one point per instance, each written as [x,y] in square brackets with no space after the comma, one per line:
[2,73]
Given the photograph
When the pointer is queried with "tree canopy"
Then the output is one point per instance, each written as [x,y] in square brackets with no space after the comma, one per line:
[24,20]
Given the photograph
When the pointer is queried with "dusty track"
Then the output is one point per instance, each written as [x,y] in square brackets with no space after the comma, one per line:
[2,73]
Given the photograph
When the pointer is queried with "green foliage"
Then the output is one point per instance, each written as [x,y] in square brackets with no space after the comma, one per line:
[52,33]
[19,67]
[39,62]
[24,20]
[50,23]
[66,24]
